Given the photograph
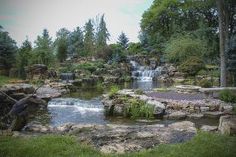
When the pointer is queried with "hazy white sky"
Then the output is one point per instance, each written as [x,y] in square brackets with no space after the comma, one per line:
[23,18]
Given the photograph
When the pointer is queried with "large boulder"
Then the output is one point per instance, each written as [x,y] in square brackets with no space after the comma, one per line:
[227,125]
[37,71]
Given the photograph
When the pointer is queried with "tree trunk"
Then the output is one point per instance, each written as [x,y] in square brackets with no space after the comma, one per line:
[223,32]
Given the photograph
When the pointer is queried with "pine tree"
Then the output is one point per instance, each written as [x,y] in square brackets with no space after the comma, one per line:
[102,34]
[123,40]
[8,50]
[76,43]
[89,38]
[23,58]
[62,44]
[43,51]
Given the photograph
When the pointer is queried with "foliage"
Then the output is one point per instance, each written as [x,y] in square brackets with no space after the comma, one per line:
[123,40]
[205,83]
[113,91]
[8,50]
[117,53]
[43,53]
[139,92]
[62,44]
[227,96]
[89,38]
[181,48]
[76,43]
[23,58]
[139,109]
[4,80]
[165,18]
[134,48]
[192,66]
[102,34]
[89,66]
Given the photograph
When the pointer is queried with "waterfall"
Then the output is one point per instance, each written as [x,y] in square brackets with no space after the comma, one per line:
[67,76]
[65,110]
[144,73]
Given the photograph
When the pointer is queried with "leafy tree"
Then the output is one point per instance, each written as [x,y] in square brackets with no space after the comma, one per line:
[102,34]
[226,14]
[123,40]
[62,44]
[168,17]
[23,58]
[43,53]
[8,50]
[89,38]
[76,43]
[181,48]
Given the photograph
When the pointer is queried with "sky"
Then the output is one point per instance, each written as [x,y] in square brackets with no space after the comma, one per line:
[27,18]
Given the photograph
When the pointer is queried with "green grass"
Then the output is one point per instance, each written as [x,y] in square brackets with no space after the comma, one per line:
[4,80]
[203,145]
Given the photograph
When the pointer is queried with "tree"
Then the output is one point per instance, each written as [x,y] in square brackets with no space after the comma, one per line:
[102,34]
[165,18]
[23,58]
[62,44]
[8,50]
[123,40]
[76,43]
[89,38]
[181,47]
[43,53]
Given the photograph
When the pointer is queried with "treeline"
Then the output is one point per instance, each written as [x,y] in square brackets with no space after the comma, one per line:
[185,28]
[91,40]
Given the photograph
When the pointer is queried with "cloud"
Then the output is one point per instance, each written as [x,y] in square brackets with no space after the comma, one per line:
[32,16]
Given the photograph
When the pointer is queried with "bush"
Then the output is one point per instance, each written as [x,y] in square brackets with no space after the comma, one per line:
[205,83]
[227,96]
[113,91]
[192,66]
[139,92]
[181,48]
[139,109]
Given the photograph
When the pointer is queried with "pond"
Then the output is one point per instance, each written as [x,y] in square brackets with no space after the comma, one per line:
[85,107]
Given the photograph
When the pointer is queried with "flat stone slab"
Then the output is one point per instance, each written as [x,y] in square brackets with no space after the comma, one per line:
[123,138]
[208,128]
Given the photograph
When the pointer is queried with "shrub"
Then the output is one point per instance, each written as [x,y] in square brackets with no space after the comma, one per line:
[205,83]
[181,48]
[227,96]
[113,91]
[139,109]
[139,92]
[192,66]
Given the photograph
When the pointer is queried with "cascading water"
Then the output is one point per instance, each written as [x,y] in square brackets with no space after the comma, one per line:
[67,77]
[64,110]
[144,73]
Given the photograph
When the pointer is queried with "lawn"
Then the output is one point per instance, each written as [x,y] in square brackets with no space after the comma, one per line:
[203,145]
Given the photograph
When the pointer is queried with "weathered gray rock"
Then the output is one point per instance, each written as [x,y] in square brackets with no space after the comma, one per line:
[18,88]
[216,114]
[208,128]
[204,109]
[177,115]
[227,125]
[195,116]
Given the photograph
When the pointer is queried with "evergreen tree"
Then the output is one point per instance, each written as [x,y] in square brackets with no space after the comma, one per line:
[62,44]
[102,34]
[23,58]
[8,50]
[89,38]
[43,51]
[76,43]
[123,40]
